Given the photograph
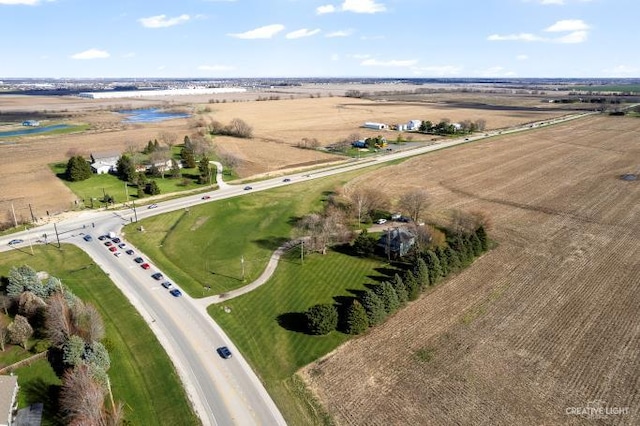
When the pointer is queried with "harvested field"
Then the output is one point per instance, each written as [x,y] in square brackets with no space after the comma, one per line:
[278,126]
[546,321]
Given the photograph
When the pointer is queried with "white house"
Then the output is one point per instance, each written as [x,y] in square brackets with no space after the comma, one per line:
[8,399]
[414,125]
[104,162]
[375,126]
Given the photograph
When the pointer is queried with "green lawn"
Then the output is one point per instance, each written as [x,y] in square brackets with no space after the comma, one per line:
[262,323]
[141,373]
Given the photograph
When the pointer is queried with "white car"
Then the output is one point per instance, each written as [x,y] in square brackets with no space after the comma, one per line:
[381,221]
[152,206]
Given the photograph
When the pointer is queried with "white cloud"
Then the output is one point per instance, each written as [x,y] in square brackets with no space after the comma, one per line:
[362,6]
[497,71]
[328,8]
[568,25]
[268,31]
[622,71]
[522,57]
[161,21]
[574,37]
[23,2]
[390,63]
[91,54]
[438,70]
[215,68]
[302,33]
[341,33]
[515,37]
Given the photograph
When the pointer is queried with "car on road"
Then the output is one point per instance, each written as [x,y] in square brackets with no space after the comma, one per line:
[206,197]
[166,284]
[152,206]
[87,238]
[122,245]
[381,221]
[286,180]
[16,241]
[145,266]
[175,292]
[116,240]
[129,252]
[157,276]
[138,260]
[247,188]
[113,248]
[117,254]
[108,243]
[224,352]
[103,237]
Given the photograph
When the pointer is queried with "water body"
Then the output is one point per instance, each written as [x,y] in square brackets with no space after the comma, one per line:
[150,115]
[33,130]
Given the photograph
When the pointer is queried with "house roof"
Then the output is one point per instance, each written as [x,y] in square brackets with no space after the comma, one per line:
[8,393]
[97,156]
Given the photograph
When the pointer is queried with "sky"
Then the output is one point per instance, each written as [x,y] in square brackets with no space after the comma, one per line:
[319,38]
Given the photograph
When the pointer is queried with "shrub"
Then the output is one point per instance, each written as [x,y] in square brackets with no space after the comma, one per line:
[322,319]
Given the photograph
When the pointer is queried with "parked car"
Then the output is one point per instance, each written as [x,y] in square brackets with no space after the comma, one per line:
[138,260]
[102,237]
[108,243]
[116,240]
[224,352]
[117,254]
[396,216]
[247,188]
[152,206]
[166,284]
[16,241]
[129,252]
[122,245]
[87,238]
[157,276]
[145,266]
[381,221]
[175,292]
[113,248]
[206,197]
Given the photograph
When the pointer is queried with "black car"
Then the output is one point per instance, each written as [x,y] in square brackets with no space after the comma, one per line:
[102,237]
[224,352]
[286,180]
[116,240]
[247,188]
[138,260]
[166,284]
[129,252]
[157,276]
[87,238]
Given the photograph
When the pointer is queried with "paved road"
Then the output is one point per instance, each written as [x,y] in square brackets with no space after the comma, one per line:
[223,392]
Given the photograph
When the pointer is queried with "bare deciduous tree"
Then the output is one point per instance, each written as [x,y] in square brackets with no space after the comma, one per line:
[365,200]
[168,138]
[466,223]
[81,397]
[323,230]
[58,322]
[5,303]
[4,333]
[414,202]
[29,304]
[239,128]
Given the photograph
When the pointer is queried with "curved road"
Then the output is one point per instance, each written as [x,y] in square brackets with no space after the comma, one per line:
[223,392]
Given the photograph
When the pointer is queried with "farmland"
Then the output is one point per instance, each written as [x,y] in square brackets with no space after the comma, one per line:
[544,322]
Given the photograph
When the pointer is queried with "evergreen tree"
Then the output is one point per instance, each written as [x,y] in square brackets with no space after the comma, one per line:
[453,260]
[21,278]
[188,157]
[433,265]
[412,285]
[126,169]
[374,307]
[422,273]
[401,289]
[357,321]
[476,245]
[140,191]
[156,145]
[176,173]
[152,188]
[441,254]
[364,245]
[77,169]
[205,171]
[482,236]
[322,319]
[389,297]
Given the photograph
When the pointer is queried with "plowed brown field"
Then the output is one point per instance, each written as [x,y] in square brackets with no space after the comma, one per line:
[278,126]
[546,321]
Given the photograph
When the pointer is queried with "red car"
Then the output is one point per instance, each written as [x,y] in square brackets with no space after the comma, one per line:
[145,266]
[113,248]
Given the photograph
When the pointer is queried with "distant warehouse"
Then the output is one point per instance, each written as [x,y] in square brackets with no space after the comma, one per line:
[375,126]
[169,92]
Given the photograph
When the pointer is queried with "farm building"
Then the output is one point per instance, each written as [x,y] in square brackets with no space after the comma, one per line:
[398,241]
[375,126]
[104,162]
[414,125]
[359,144]
[31,123]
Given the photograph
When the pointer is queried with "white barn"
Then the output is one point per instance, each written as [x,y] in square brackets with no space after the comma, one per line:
[375,126]
[104,162]
[414,124]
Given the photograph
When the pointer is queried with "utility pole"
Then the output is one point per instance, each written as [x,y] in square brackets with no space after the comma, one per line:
[302,251]
[242,265]
[135,213]
[126,192]
[57,236]
[33,218]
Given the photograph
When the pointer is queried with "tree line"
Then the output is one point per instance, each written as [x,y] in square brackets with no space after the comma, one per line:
[426,268]
[72,332]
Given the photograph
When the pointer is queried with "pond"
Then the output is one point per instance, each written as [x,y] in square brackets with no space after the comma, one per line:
[150,115]
[33,130]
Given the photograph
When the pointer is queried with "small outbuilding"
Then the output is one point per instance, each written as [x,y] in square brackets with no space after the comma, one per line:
[375,126]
